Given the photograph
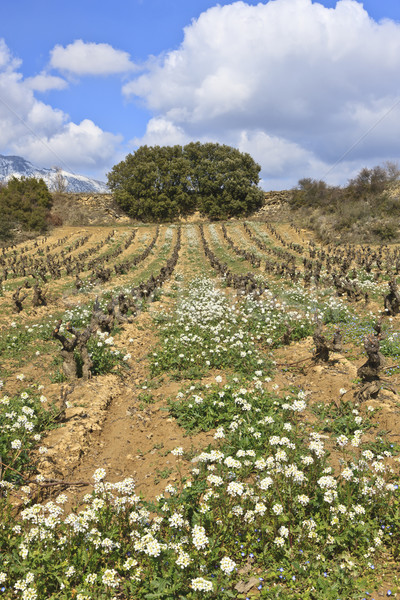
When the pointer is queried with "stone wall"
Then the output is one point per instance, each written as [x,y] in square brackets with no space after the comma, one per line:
[275,203]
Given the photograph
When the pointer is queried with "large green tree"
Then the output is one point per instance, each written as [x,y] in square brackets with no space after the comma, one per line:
[163,183]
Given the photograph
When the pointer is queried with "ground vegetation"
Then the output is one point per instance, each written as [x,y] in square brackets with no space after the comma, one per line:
[366,209]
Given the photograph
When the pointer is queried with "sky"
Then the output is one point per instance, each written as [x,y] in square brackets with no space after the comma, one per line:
[308,88]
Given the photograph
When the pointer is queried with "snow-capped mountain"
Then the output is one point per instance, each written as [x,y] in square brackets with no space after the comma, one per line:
[16,166]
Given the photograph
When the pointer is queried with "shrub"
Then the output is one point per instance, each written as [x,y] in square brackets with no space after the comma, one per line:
[366,205]
[385,230]
[25,203]
[54,220]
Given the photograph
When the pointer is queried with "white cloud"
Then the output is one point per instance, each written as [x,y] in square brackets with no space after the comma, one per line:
[45,135]
[45,82]
[278,155]
[158,129]
[89,58]
[300,83]
[84,145]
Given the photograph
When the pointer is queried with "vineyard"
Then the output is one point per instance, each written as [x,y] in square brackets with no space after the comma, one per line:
[199,411]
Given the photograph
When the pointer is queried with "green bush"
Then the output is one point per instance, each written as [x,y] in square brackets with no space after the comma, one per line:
[165,183]
[24,203]
[386,231]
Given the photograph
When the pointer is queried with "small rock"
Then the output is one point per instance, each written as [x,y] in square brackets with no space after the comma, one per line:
[245,586]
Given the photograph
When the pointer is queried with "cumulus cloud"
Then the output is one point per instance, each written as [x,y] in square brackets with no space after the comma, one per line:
[45,82]
[89,58]
[160,128]
[84,144]
[291,81]
[278,155]
[43,134]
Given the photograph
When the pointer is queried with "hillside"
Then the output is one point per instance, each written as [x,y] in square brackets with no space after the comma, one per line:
[87,209]
[101,209]
[366,211]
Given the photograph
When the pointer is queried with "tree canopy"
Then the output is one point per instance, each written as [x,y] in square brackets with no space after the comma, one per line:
[163,183]
[24,203]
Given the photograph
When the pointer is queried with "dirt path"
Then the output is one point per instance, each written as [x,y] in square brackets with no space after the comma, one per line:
[123,424]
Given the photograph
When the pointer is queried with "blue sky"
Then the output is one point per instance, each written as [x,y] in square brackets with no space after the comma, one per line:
[309,89]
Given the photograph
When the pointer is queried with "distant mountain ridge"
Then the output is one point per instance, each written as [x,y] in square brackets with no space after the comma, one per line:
[16,166]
